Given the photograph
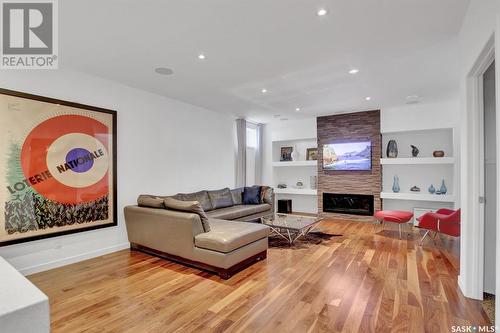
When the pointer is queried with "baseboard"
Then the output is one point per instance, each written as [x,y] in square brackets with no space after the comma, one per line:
[71,260]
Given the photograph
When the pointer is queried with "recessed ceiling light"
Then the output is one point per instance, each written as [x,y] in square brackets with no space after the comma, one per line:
[276,115]
[297,109]
[354,71]
[201,56]
[412,99]
[284,119]
[164,71]
[264,91]
[368,98]
[322,12]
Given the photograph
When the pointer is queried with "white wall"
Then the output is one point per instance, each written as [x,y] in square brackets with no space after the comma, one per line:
[164,146]
[480,23]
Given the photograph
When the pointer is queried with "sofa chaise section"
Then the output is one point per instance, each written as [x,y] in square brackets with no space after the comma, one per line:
[179,236]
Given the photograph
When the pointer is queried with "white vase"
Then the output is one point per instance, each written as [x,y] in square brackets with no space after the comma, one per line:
[294,154]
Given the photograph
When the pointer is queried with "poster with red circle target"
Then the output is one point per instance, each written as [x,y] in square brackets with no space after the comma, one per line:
[58,163]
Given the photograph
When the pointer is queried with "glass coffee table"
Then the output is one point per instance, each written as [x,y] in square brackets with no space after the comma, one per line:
[291,227]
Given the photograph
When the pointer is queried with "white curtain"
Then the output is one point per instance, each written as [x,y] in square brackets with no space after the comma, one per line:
[241,152]
[258,155]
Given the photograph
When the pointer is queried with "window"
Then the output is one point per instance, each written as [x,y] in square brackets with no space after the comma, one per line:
[251,136]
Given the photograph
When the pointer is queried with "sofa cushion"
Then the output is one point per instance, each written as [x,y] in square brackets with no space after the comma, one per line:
[251,195]
[189,206]
[227,236]
[201,197]
[221,198]
[237,211]
[237,194]
[150,201]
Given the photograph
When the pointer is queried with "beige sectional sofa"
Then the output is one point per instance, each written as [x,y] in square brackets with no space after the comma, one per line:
[231,244]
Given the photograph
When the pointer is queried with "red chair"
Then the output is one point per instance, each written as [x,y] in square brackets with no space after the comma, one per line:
[445,221]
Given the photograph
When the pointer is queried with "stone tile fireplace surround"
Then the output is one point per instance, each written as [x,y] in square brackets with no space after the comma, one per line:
[345,128]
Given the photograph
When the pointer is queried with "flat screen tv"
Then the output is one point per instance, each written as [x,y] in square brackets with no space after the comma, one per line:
[348,156]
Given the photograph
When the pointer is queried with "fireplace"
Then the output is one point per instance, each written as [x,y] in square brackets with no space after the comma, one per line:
[354,204]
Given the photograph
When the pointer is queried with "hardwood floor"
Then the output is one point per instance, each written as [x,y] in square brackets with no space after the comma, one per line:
[366,281]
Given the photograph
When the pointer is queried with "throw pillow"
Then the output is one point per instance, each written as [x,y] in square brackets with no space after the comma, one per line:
[221,198]
[201,197]
[237,194]
[189,206]
[251,195]
[266,195]
[150,201]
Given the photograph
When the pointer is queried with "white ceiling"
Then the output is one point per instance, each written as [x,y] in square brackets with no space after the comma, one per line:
[402,47]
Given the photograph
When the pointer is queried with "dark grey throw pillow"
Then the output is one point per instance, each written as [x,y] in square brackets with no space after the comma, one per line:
[201,197]
[237,194]
[221,198]
[251,195]
[189,206]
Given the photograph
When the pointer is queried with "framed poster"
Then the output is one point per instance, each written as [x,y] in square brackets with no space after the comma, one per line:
[57,167]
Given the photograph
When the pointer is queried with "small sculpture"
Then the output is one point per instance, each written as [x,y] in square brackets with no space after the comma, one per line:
[432,190]
[395,185]
[299,184]
[281,185]
[392,149]
[438,153]
[414,151]
[294,154]
[415,189]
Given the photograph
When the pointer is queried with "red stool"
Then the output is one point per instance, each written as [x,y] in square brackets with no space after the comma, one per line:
[395,216]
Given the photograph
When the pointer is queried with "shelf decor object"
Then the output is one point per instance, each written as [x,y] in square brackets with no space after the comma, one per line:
[395,185]
[286,154]
[443,188]
[431,189]
[312,154]
[438,153]
[294,154]
[392,149]
[415,189]
[414,151]
[59,162]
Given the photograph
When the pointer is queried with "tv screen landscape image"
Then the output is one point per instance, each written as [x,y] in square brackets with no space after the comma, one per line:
[355,156]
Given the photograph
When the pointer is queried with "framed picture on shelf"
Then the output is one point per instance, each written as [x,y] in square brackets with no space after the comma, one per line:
[57,167]
[286,154]
[312,154]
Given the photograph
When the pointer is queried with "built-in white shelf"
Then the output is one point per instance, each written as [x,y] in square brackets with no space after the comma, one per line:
[418,196]
[295,163]
[299,191]
[417,160]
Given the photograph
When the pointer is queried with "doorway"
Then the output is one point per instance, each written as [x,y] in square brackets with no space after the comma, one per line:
[490,188]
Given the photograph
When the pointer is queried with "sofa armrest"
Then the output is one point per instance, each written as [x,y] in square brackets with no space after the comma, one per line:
[164,230]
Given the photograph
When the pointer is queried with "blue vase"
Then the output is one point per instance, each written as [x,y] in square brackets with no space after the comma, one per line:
[432,190]
[395,185]
[443,188]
